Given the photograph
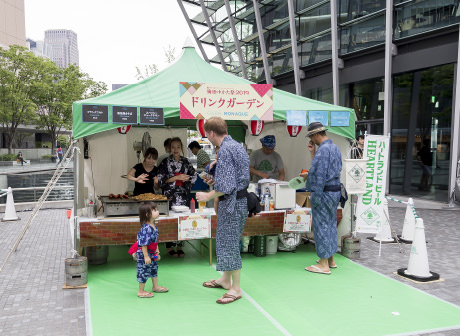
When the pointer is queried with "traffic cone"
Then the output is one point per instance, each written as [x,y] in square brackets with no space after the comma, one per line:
[10,212]
[418,268]
[409,224]
[384,235]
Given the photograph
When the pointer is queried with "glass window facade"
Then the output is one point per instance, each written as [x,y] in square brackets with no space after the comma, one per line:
[422,114]
[415,17]
[422,100]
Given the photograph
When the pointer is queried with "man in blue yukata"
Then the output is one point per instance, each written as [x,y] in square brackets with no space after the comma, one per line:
[323,181]
[231,180]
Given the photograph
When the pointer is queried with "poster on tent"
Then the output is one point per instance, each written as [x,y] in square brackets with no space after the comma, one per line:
[95,113]
[194,227]
[370,210]
[228,101]
[297,221]
[318,116]
[355,176]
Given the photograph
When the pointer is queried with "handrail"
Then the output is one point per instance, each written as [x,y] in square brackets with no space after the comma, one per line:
[42,188]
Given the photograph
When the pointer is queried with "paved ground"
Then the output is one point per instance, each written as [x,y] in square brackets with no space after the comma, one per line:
[27,168]
[34,303]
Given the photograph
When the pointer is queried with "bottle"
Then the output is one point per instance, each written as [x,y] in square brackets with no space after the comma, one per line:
[267,203]
[192,206]
[90,206]
[262,202]
[272,204]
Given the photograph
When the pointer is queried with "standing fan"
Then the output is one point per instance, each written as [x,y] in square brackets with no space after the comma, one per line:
[142,145]
[289,241]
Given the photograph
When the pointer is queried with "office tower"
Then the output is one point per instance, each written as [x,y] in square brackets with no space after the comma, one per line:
[61,47]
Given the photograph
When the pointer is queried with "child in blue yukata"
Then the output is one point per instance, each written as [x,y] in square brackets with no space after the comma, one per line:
[147,241]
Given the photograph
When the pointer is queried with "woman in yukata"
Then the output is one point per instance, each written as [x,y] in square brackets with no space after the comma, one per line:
[175,177]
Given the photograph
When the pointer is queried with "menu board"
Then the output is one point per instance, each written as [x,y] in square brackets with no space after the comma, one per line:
[296,118]
[124,115]
[151,116]
[340,118]
[321,116]
[95,113]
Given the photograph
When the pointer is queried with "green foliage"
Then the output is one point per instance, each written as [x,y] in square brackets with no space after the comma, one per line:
[34,90]
[63,141]
[47,156]
[8,157]
[21,73]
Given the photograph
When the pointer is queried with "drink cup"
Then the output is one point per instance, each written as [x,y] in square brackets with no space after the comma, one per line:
[201,205]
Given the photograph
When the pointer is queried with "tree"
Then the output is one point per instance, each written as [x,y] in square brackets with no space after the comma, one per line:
[20,136]
[148,71]
[20,72]
[152,69]
[56,95]
[63,141]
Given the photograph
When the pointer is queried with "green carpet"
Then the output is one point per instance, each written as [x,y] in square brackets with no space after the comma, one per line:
[281,298]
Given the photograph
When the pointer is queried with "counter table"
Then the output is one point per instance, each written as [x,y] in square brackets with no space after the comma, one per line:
[123,231]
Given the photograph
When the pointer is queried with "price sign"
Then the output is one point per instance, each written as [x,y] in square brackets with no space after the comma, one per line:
[297,221]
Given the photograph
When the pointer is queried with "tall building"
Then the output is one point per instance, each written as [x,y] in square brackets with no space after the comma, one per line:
[37,47]
[403,85]
[61,46]
[12,23]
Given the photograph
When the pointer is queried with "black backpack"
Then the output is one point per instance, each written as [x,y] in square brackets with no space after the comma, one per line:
[253,204]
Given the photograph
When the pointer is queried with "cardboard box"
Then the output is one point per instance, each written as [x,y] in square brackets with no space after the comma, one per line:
[302,199]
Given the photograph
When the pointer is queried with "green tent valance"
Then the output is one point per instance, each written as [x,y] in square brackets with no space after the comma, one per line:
[162,91]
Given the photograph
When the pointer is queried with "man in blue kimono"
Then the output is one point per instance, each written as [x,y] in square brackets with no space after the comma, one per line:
[231,180]
[323,181]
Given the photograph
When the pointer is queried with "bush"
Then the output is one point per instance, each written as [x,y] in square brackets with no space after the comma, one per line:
[9,157]
[47,156]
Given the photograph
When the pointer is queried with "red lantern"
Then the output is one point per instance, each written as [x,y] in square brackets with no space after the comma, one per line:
[256,127]
[124,129]
[294,130]
[200,127]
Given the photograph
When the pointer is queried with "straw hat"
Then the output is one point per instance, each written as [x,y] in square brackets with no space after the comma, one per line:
[315,127]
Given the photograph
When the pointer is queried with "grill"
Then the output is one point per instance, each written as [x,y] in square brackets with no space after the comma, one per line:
[128,207]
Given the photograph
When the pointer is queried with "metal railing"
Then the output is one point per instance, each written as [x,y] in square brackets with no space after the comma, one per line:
[35,189]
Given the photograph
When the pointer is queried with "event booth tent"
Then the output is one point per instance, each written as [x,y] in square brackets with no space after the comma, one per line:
[162,90]
[111,154]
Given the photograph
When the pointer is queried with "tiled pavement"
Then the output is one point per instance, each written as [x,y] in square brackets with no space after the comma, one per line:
[32,301]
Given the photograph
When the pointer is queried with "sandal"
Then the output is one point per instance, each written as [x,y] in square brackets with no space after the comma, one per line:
[232,298]
[161,290]
[180,253]
[212,284]
[173,253]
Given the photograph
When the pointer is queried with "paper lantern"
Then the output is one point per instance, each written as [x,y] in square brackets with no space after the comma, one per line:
[256,127]
[294,130]
[124,129]
[200,127]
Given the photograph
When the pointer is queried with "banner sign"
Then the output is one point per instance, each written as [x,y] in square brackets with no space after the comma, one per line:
[95,113]
[228,101]
[355,177]
[124,114]
[297,221]
[194,227]
[369,210]
[152,116]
